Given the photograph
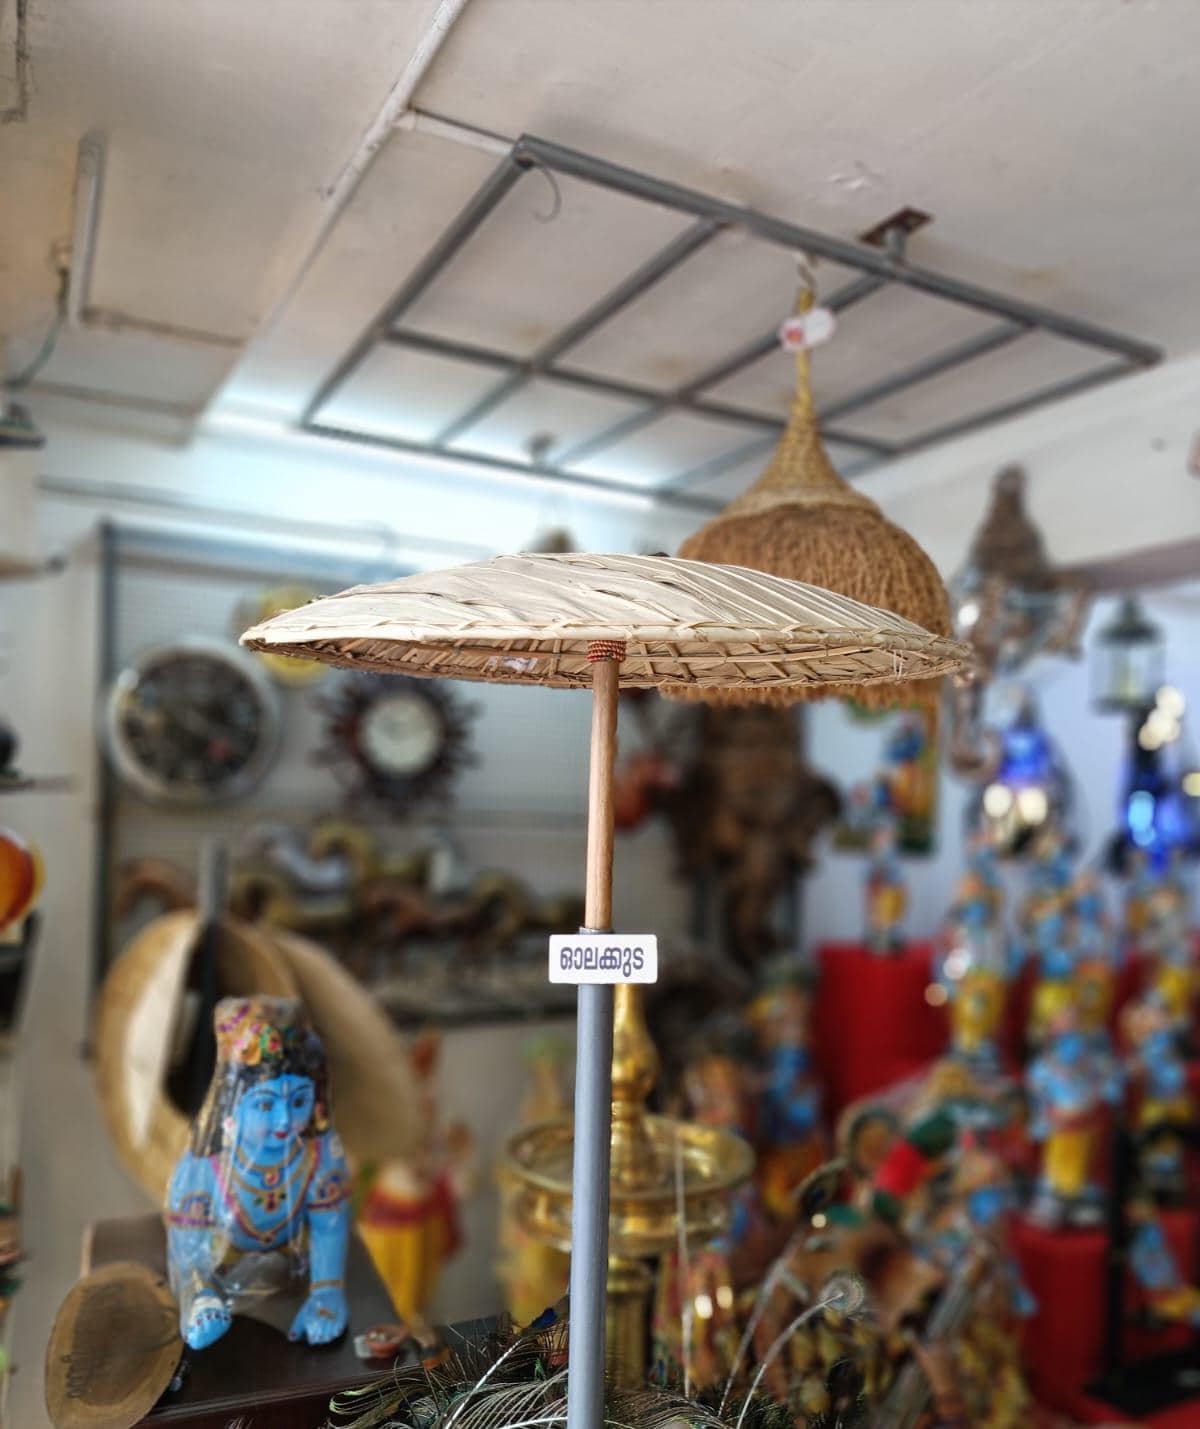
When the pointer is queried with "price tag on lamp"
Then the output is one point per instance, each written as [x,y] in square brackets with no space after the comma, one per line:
[605,958]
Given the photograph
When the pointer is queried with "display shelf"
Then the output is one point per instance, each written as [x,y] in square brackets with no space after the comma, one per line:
[872,1025]
[35,783]
[1066,1273]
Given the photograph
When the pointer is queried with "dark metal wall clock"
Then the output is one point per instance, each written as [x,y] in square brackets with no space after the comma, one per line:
[395,739]
[195,722]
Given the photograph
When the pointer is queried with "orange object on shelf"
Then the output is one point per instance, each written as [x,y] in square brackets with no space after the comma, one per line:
[21,878]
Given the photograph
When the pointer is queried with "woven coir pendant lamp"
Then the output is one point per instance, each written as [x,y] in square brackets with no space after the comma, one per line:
[576,621]
[801,520]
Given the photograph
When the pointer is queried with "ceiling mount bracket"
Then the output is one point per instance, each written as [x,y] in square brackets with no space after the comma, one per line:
[892,232]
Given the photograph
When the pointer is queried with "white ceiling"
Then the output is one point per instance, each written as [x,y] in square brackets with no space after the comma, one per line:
[1054,145]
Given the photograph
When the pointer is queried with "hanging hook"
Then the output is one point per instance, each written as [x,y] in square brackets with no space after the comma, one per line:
[556,192]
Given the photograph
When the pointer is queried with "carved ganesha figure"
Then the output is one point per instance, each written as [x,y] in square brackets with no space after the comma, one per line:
[261,1197]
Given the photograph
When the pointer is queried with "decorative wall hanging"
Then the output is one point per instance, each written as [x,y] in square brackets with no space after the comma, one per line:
[1010,603]
[902,790]
[803,521]
[744,814]
[192,723]
[396,741]
[598,622]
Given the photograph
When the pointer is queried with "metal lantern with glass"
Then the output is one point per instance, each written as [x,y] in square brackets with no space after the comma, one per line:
[1127,661]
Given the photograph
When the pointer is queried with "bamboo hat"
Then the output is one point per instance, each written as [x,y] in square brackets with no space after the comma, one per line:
[802,520]
[537,619]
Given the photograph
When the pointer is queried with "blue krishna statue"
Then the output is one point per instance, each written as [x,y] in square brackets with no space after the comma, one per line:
[262,1195]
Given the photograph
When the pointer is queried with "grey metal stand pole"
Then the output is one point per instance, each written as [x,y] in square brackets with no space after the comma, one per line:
[589,1208]
[593,1082]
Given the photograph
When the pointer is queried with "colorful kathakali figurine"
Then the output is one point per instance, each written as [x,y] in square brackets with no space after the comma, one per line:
[261,1197]
[1051,869]
[1169,1297]
[1097,959]
[886,892]
[1069,1084]
[409,1218]
[983,865]
[1139,884]
[1048,943]
[974,970]
[788,1126]
[1168,942]
[1164,1108]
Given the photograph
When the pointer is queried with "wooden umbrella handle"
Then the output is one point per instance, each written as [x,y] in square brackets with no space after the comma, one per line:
[598,904]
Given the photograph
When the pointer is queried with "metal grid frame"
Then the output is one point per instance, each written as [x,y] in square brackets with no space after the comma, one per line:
[876,268]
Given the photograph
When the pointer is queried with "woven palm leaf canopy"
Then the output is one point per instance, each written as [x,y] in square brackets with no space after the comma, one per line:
[533,619]
[599,622]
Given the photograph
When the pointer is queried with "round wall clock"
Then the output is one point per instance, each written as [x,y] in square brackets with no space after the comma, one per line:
[192,723]
[395,739]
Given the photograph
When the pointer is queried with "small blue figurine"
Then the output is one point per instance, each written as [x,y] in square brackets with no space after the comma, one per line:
[974,971]
[262,1195]
[1048,943]
[1164,1110]
[1069,1084]
[885,892]
[1170,1299]
[1097,960]
[983,866]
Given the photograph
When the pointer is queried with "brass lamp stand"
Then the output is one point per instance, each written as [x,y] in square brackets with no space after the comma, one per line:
[644,1198]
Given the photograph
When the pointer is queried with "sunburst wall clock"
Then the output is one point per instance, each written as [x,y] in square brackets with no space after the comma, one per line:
[396,741]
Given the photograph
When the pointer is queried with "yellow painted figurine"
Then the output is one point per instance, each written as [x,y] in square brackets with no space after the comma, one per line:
[1069,1084]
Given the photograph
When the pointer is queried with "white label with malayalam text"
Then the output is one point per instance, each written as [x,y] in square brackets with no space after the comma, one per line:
[603,957]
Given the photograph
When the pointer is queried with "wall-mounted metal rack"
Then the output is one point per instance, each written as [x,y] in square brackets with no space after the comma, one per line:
[876,268]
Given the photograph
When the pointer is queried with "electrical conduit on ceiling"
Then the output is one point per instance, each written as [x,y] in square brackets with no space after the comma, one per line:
[343,189]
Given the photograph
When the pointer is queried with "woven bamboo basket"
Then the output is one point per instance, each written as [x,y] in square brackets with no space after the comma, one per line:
[532,619]
[803,521]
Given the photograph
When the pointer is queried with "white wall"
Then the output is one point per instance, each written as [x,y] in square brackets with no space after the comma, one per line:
[1107,473]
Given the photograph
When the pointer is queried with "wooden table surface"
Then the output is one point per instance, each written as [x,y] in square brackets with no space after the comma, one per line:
[254,1370]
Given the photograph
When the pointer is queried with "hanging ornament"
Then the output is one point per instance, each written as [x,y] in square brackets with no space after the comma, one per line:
[1009,601]
[1027,797]
[801,520]
[1127,660]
